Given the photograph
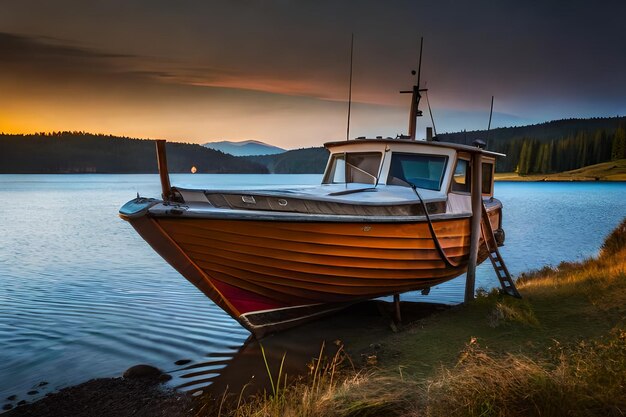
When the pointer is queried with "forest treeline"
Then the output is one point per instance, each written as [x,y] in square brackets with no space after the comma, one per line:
[298,161]
[552,147]
[545,148]
[80,152]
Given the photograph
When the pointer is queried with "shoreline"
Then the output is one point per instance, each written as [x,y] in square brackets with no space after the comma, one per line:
[561,348]
[614,171]
[552,178]
[359,327]
[104,397]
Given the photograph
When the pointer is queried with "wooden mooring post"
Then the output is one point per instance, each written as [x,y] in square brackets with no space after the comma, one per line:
[477,205]
[163,172]
[396,310]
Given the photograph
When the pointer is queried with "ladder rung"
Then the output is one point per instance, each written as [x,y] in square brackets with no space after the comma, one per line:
[506,282]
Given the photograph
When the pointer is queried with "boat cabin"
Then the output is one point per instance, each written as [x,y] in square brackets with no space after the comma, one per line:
[435,167]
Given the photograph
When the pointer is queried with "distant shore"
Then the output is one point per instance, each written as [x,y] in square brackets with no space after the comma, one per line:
[561,350]
[607,171]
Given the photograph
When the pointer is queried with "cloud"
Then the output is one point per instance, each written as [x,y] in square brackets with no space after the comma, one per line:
[19,47]
[256,65]
[49,59]
[41,61]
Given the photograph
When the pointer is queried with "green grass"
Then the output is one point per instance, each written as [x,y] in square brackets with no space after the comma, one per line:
[561,350]
[606,171]
[568,304]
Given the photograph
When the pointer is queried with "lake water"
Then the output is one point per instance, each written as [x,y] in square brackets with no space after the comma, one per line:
[83,296]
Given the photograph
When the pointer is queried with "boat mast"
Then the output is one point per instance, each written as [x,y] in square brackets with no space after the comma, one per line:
[489,125]
[350,87]
[415,112]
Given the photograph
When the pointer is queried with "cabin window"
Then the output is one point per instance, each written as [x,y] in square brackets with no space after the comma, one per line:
[423,171]
[461,178]
[487,178]
[360,167]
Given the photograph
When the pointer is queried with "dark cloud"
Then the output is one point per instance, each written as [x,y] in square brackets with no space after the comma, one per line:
[508,48]
[37,61]
[18,48]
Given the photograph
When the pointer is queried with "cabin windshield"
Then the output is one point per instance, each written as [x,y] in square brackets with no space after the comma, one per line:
[361,167]
[423,171]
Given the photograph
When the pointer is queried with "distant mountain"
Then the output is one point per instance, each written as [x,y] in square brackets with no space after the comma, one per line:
[244,148]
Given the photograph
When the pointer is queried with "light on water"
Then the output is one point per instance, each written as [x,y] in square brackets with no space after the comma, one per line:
[83,296]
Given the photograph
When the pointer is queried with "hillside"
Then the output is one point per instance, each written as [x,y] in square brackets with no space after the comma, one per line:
[245,148]
[543,131]
[298,161]
[606,171]
[557,146]
[79,152]
[541,150]
[546,148]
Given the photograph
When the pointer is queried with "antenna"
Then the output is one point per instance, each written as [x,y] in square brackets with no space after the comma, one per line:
[489,125]
[415,98]
[432,119]
[350,87]
[419,64]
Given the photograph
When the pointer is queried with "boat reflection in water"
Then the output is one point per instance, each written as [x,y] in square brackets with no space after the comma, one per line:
[363,324]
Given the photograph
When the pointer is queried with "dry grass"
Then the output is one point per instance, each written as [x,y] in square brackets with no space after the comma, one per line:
[585,380]
[333,388]
[559,351]
[614,242]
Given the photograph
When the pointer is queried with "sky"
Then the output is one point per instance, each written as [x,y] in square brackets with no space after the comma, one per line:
[278,71]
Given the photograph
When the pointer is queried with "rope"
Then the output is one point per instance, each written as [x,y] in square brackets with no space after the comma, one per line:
[442,254]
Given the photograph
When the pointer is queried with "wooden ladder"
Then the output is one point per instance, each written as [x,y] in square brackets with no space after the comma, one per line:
[502,272]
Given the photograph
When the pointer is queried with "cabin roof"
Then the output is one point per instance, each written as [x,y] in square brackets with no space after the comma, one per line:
[448,145]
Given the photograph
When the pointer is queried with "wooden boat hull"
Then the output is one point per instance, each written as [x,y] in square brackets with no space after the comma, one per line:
[270,275]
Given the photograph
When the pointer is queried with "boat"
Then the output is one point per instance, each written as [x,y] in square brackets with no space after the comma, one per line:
[391,215]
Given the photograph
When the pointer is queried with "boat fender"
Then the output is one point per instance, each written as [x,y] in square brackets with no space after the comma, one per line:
[137,207]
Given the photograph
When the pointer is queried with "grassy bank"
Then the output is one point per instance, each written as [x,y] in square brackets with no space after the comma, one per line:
[561,350]
[607,171]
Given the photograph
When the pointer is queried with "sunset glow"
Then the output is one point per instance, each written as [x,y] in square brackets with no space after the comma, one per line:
[278,72]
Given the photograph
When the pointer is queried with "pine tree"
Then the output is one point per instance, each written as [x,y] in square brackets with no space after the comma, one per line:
[524,158]
[618,150]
